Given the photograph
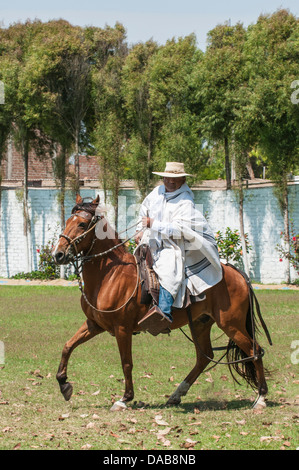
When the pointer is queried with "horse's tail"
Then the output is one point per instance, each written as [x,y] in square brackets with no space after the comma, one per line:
[234,353]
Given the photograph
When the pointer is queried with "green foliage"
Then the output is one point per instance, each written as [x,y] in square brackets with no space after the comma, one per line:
[79,86]
[131,246]
[47,269]
[229,245]
[271,65]
[293,253]
[70,90]
[46,263]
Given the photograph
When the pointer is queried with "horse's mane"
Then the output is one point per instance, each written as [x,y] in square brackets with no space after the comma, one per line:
[87,205]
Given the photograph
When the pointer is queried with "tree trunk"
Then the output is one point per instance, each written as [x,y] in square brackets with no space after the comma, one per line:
[227,164]
[149,155]
[77,165]
[62,188]
[249,168]
[0,203]
[115,197]
[26,221]
[285,205]
[62,197]
[242,231]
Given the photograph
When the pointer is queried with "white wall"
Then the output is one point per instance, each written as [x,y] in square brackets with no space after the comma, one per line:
[263,223]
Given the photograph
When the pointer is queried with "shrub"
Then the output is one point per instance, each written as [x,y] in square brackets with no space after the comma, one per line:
[230,245]
[47,269]
[293,254]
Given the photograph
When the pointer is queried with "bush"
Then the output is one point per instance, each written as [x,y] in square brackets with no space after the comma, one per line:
[230,245]
[293,254]
[46,264]
[47,269]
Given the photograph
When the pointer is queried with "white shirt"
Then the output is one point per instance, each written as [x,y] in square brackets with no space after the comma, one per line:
[182,244]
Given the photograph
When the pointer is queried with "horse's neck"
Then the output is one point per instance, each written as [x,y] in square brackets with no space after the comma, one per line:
[107,252]
[107,238]
[109,249]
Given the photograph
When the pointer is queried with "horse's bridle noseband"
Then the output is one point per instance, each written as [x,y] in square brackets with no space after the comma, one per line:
[75,241]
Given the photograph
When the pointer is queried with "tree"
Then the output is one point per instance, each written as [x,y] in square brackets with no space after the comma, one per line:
[139,114]
[5,127]
[109,133]
[13,54]
[58,77]
[218,79]
[171,88]
[272,59]
[56,84]
[162,120]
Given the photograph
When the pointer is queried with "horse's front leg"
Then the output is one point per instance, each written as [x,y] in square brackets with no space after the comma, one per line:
[88,330]
[124,341]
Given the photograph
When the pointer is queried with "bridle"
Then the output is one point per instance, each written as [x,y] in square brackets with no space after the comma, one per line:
[75,241]
[78,259]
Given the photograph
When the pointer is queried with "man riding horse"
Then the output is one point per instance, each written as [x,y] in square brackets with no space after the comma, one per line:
[183,247]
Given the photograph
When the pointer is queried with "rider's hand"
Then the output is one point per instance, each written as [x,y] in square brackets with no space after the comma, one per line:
[147,222]
[138,237]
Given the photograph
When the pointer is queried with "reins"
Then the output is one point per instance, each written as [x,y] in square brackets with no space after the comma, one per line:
[109,311]
[228,363]
[255,355]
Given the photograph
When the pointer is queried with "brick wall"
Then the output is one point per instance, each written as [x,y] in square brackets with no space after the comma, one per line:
[12,167]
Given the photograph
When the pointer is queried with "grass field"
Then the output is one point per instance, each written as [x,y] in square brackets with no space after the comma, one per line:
[35,322]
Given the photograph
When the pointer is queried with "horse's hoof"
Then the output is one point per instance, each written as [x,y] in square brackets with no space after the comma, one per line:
[66,390]
[173,400]
[118,406]
[260,403]
[181,391]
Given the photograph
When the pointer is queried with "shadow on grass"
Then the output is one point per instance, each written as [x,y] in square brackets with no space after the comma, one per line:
[207,405]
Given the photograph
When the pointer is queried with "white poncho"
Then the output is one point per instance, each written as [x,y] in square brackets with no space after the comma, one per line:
[182,244]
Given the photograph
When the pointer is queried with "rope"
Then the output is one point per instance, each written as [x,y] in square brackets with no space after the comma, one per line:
[245,359]
[117,309]
[87,258]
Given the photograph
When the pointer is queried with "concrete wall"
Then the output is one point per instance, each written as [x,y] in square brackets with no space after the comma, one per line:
[263,223]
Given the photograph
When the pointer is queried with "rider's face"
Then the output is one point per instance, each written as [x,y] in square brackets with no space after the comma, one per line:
[172,184]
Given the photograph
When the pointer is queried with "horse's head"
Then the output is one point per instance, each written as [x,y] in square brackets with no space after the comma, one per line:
[78,233]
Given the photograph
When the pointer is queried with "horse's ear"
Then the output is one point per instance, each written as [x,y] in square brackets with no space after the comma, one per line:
[97,200]
[79,199]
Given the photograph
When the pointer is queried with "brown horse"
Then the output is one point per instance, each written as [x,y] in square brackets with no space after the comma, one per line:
[111,302]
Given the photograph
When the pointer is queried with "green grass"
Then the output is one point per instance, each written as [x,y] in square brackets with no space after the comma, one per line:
[35,322]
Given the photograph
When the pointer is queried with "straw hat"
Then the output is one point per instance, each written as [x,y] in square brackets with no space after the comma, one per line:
[173,170]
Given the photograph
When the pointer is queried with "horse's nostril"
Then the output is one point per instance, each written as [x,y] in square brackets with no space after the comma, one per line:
[59,257]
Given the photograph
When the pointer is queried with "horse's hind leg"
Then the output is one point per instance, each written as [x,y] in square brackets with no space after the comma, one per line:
[88,330]
[202,329]
[254,370]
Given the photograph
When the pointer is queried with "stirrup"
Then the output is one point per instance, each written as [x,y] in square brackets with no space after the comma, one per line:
[155,321]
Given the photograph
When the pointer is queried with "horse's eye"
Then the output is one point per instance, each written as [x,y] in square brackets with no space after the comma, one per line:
[82,225]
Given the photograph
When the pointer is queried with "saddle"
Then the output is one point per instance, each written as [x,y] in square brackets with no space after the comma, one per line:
[149,280]
[150,283]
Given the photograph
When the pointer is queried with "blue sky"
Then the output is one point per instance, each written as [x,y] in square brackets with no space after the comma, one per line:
[145,19]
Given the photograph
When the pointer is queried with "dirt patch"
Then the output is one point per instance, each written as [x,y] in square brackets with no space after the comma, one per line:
[63,282]
[24,282]
[275,286]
